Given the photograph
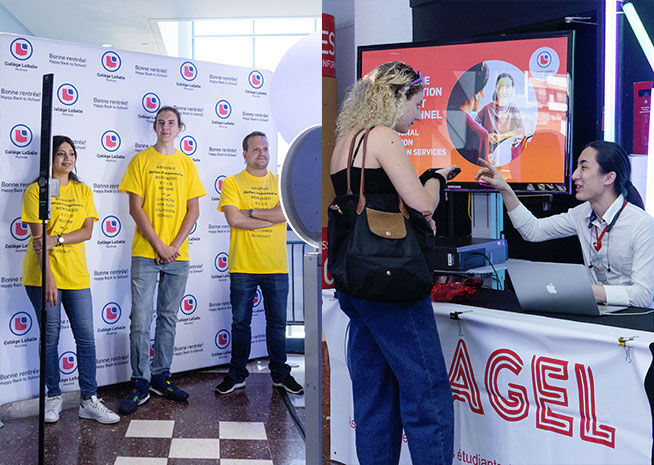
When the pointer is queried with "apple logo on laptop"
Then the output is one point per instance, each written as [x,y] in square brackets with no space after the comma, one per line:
[551,288]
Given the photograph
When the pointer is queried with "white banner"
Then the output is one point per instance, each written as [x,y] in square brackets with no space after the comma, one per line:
[105,100]
[526,389]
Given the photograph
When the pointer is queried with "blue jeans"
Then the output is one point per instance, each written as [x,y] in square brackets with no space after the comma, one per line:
[399,380]
[172,283]
[242,289]
[78,307]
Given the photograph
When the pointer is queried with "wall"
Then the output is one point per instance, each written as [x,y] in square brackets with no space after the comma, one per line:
[9,23]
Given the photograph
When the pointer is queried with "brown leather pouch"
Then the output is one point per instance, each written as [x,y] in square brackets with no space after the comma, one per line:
[386,224]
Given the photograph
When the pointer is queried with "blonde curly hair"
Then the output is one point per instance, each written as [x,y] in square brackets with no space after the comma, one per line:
[378,97]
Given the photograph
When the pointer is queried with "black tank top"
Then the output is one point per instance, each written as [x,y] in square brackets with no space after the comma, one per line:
[377,182]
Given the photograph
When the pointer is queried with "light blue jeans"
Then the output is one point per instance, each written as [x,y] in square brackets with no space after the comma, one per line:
[79,308]
[172,283]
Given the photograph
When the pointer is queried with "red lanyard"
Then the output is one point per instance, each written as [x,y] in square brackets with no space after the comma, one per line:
[598,239]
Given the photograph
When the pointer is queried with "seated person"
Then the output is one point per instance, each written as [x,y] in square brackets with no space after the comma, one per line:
[616,235]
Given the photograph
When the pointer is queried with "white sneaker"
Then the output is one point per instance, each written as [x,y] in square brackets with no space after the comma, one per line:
[53,408]
[94,409]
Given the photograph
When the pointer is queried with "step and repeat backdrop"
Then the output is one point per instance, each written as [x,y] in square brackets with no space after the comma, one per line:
[105,100]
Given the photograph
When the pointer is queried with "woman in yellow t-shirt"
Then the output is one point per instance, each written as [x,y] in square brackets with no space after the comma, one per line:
[67,280]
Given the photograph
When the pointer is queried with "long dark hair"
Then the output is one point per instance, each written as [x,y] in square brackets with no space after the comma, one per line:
[612,157]
[56,143]
[468,85]
[497,81]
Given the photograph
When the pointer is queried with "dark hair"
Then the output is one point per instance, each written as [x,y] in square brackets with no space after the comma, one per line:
[172,109]
[612,157]
[468,85]
[252,134]
[56,143]
[497,81]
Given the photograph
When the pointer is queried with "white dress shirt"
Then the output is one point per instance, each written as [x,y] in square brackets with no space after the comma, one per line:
[624,264]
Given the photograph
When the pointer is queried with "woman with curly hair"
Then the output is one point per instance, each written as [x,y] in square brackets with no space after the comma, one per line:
[399,379]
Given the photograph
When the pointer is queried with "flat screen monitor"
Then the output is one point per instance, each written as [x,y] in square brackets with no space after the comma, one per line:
[507,100]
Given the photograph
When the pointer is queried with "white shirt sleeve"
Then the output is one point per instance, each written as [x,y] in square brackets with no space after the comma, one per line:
[641,291]
[534,229]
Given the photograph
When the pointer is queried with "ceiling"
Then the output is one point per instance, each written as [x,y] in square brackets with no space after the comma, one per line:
[131,24]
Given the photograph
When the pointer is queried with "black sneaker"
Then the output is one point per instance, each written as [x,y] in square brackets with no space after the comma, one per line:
[162,385]
[228,384]
[291,386]
[137,396]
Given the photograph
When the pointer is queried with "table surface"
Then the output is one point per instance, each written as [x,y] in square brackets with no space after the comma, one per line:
[507,300]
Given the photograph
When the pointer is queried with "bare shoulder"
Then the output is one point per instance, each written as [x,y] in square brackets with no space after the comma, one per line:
[384,135]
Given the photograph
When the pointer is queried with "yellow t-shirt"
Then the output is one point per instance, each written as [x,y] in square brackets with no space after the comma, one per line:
[68,213]
[165,183]
[256,251]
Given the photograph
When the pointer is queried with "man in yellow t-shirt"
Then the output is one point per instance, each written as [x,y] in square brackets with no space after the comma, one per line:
[163,187]
[257,257]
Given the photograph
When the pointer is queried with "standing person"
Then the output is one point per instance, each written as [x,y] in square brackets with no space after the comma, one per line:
[399,379]
[469,137]
[164,189]
[67,279]
[257,257]
[615,233]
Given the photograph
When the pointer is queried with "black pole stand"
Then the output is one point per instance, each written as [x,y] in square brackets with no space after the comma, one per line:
[44,216]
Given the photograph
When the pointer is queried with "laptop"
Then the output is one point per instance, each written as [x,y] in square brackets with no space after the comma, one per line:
[555,288]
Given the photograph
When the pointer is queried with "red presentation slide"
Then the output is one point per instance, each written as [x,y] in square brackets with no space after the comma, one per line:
[506,102]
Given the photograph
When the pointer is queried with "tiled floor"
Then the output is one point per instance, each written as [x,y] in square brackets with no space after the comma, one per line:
[250,426]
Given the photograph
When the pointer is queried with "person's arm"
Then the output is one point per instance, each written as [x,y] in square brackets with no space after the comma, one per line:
[641,290]
[74,237]
[51,291]
[166,253]
[387,147]
[274,215]
[531,229]
[192,215]
[236,219]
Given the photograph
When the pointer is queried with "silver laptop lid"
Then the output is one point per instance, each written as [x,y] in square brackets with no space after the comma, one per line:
[554,287]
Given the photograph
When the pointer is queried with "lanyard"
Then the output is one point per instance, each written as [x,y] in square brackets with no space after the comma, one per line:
[598,238]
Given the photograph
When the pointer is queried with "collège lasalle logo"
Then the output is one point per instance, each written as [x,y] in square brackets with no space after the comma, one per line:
[111,227]
[151,102]
[220,262]
[67,94]
[19,230]
[188,304]
[110,141]
[111,313]
[68,362]
[188,145]
[21,49]
[222,339]
[21,135]
[111,61]
[255,79]
[223,109]
[188,71]
[20,324]
[218,187]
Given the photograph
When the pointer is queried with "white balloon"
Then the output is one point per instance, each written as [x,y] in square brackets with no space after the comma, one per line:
[296,88]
